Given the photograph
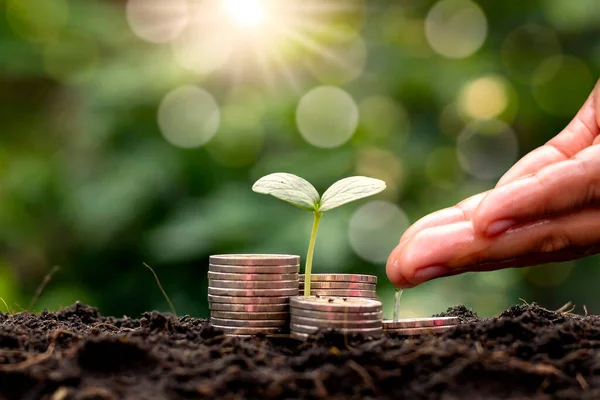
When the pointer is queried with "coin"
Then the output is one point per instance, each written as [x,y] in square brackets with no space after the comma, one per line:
[246,330]
[252,277]
[342,293]
[420,322]
[324,323]
[335,304]
[248,300]
[254,259]
[253,284]
[311,330]
[249,307]
[341,285]
[334,315]
[255,269]
[341,278]
[299,336]
[252,292]
[432,330]
[255,323]
[250,315]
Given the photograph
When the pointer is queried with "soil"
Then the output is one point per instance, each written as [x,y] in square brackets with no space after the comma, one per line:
[526,352]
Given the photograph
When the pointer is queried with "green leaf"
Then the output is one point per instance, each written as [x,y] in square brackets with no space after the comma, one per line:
[290,188]
[350,189]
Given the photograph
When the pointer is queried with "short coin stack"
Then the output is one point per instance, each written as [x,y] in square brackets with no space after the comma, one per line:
[420,326]
[347,315]
[249,293]
[342,285]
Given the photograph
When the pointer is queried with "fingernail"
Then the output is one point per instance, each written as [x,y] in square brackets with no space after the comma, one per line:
[498,227]
[427,273]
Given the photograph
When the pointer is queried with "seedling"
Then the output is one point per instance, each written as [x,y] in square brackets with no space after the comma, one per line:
[301,193]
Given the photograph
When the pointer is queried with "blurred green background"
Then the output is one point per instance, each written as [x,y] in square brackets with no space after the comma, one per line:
[132,131]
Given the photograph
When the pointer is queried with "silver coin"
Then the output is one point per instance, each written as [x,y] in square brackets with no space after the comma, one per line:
[324,323]
[341,278]
[420,322]
[250,315]
[249,307]
[335,304]
[311,330]
[341,285]
[255,323]
[221,276]
[253,284]
[337,316]
[252,292]
[342,293]
[254,259]
[231,300]
[255,269]
[432,330]
[237,331]
[300,336]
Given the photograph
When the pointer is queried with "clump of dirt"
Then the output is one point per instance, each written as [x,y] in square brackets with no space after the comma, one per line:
[526,352]
[464,313]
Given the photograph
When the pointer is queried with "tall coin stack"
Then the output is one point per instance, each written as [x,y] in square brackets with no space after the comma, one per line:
[250,293]
[347,315]
[341,285]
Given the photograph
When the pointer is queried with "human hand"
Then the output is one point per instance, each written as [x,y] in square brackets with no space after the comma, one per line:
[546,208]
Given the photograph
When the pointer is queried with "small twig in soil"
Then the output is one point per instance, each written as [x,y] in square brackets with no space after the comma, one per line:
[586,311]
[524,301]
[563,308]
[42,286]
[570,310]
[161,289]
[364,374]
[40,357]
[582,382]
[479,348]
[5,305]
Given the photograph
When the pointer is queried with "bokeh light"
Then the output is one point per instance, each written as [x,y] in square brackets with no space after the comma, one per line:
[382,164]
[561,84]
[157,21]
[408,32]
[327,116]
[549,275]
[204,46]
[188,117]
[375,229]
[442,167]
[572,16]
[343,62]
[35,20]
[381,119]
[525,48]
[239,139]
[484,98]
[455,28]
[486,149]
[72,59]
[246,13]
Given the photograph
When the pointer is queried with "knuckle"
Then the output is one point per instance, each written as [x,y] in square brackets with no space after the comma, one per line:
[553,242]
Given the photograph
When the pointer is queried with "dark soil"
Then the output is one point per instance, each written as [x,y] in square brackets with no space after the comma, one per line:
[527,352]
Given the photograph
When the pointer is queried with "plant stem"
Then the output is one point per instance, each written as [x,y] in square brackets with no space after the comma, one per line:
[311,250]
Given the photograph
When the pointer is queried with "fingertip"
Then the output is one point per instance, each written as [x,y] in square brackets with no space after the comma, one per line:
[393,269]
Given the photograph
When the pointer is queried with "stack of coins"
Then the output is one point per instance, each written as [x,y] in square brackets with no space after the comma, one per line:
[341,285]
[420,326]
[347,315]
[250,293]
